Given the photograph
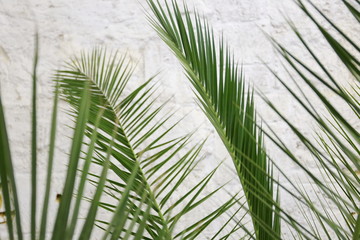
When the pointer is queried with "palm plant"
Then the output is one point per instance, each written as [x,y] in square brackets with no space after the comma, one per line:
[160,174]
[337,149]
[220,91]
[120,134]
[65,214]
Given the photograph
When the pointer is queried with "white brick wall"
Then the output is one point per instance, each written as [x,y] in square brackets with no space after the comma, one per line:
[67,27]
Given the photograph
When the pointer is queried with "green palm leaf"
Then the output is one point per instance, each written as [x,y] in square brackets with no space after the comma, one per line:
[221,92]
[7,172]
[7,179]
[336,150]
[137,140]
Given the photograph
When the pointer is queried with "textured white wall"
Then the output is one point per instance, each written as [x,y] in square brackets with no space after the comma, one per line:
[67,27]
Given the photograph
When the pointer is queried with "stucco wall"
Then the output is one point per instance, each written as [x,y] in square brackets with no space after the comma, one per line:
[68,27]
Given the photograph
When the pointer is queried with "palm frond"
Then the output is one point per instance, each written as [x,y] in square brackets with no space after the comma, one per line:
[138,140]
[8,184]
[221,93]
[336,150]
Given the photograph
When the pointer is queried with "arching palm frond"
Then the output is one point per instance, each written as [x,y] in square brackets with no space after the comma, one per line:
[221,92]
[138,139]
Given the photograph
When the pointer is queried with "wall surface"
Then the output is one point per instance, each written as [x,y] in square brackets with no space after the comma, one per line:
[67,27]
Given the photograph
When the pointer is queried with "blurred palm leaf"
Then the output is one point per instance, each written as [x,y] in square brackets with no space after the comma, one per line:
[108,131]
[336,150]
[7,179]
[7,172]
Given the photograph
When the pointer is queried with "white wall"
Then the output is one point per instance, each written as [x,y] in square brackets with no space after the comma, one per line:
[67,27]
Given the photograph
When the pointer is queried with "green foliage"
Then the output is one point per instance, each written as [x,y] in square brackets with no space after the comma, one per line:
[159,176]
[336,150]
[120,133]
[221,93]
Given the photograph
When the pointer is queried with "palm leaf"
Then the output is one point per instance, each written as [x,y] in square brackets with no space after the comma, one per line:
[7,180]
[9,191]
[221,93]
[337,148]
[34,144]
[66,216]
[44,215]
[137,140]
